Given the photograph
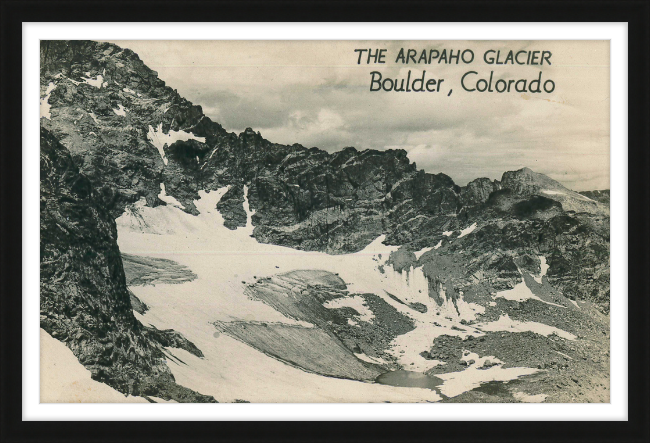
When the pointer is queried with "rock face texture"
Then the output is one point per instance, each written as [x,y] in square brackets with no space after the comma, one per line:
[599,196]
[131,137]
[478,191]
[129,133]
[302,198]
[526,182]
[84,299]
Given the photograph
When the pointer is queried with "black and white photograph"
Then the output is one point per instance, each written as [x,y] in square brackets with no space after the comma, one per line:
[328,221]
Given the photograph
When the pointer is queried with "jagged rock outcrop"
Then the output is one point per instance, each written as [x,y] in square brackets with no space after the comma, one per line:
[527,182]
[478,191]
[84,299]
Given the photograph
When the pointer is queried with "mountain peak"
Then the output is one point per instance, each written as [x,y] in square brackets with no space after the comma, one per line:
[525,180]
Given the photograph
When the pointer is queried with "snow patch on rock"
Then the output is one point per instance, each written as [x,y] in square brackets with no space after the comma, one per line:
[419,253]
[456,383]
[45,102]
[121,110]
[467,230]
[355,302]
[544,269]
[527,398]
[473,359]
[505,323]
[168,198]
[97,82]
[159,139]
[521,292]
[248,229]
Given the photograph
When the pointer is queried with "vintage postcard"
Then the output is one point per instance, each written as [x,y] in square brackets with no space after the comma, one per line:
[325,221]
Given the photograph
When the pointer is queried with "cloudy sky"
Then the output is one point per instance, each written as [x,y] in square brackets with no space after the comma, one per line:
[316,94]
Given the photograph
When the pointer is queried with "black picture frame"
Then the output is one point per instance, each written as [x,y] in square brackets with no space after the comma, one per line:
[635,13]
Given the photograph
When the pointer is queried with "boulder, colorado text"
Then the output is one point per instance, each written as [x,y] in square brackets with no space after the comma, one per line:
[470,81]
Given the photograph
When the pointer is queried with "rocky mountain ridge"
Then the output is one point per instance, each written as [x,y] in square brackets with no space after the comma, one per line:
[135,138]
[130,134]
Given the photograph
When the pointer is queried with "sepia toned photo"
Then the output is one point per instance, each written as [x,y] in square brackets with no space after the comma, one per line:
[324,221]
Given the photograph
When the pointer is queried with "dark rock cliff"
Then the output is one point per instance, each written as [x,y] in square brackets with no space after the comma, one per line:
[84,299]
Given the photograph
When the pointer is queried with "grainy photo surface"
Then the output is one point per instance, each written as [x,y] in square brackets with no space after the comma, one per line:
[324,221]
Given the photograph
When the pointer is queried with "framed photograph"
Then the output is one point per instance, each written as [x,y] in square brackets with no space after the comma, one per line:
[365,222]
